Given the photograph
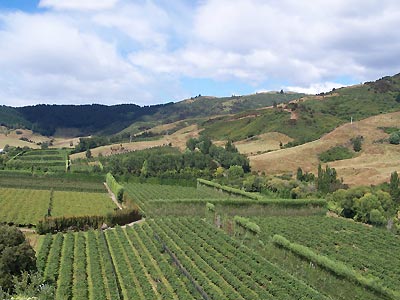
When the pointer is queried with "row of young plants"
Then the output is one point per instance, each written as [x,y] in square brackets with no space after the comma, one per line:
[247,224]
[115,187]
[336,267]
[256,198]
[367,250]
[217,262]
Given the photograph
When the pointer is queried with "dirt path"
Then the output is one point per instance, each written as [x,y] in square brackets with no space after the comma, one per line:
[112,196]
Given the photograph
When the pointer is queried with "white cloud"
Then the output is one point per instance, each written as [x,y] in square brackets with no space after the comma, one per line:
[314,88]
[114,50]
[77,4]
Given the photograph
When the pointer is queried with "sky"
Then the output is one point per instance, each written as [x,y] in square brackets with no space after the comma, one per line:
[149,52]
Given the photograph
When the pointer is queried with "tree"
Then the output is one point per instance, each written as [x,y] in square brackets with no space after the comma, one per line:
[230,147]
[281,92]
[357,143]
[394,186]
[299,174]
[88,154]
[235,172]
[191,144]
[16,256]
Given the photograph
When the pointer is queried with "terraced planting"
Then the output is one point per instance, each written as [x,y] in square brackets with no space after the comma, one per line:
[369,251]
[81,204]
[23,207]
[54,160]
[128,264]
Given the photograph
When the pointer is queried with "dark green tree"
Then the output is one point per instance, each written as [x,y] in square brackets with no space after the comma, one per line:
[88,154]
[16,256]
[230,147]
[191,144]
[299,174]
[394,186]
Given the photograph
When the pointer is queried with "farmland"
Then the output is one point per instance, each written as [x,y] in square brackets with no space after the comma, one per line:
[23,206]
[141,271]
[81,204]
[42,160]
[369,251]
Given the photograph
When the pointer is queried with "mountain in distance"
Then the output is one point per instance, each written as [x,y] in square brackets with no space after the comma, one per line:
[105,120]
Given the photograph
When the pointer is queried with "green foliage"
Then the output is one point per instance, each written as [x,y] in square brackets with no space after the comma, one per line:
[88,154]
[16,256]
[394,138]
[327,181]
[247,224]
[336,267]
[394,189]
[363,204]
[357,143]
[335,153]
[56,224]
[210,206]
[229,189]
[115,187]
[235,172]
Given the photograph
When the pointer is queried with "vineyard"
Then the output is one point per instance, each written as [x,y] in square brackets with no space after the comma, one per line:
[369,251]
[23,207]
[130,264]
[81,204]
[166,200]
[44,160]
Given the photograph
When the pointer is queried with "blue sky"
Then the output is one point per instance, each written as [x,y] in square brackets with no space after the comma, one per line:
[148,52]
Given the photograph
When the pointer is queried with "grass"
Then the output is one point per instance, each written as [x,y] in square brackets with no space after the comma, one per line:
[81,204]
[177,139]
[373,165]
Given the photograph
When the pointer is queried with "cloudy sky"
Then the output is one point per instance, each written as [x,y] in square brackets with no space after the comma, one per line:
[147,52]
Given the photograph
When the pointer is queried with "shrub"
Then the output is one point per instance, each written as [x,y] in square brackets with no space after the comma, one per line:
[247,224]
[394,138]
[335,153]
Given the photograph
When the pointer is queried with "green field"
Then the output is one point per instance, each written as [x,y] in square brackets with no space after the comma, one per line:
[217,263]
[81,204]
[39,160]
[24,206]
[367,250]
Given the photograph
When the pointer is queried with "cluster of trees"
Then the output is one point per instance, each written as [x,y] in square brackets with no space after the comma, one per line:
[201,159]
[373,205]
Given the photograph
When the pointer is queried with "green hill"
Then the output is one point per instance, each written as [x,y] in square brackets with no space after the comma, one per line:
[312,116]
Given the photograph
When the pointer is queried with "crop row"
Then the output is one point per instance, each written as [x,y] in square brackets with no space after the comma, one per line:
[112,265]
[224,268]
[367,250]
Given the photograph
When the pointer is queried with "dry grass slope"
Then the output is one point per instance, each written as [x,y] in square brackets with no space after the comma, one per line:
[372,165]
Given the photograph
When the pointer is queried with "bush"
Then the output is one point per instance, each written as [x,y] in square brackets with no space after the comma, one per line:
[247,224]
[357,143]
[394,138]
[335,153]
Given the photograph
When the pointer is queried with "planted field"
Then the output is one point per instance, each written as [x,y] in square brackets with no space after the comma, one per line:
[369,251]
[81,204]
[44,160]
[141,193]
[23,207]
[66,182]
[129,264]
